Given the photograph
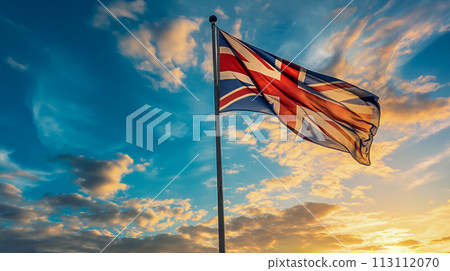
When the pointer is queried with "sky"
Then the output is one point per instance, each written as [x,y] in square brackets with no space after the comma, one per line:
[69,181]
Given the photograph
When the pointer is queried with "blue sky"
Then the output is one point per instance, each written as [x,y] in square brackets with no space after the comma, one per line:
[70,74]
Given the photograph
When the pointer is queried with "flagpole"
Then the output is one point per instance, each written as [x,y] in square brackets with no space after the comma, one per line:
[220,213]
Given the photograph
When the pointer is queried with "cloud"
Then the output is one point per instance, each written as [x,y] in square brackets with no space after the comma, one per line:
[421,173]
[237,29]
[383,9]
[9,191]
[290,229]
[211,182]
[231,171]
[408,243]
[73,200]
[421,84]
[130,47]
[221,14]
[160,243]
[425,228]
[414,113]
[198,232]
[14,172]
[99,178]
[91,223]
[121,9]
[348,12]
[143,167]
[5,160]
[234,169]
[160,215]
[12,23]
[358,192]
[16,65]
[88,212]
[207,64]
[328,187]
[50,238]
[444,28]
[63,118]
[19,174]
[172,43]
[76,213]
[244,188]
[369,54]
[6,176]
[16,213]
[371,248]
[286,230]
[443,239]
[176,44]
[323,168]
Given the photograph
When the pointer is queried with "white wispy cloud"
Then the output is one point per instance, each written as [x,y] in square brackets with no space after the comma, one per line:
[420,173]
[207,64]
[16,65]
[16,174]
[237,28]
[221,13]
[121,9]
[210,183]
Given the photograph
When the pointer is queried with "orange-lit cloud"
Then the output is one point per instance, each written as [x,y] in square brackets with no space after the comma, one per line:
[369,52]
[173,46]
[102,179]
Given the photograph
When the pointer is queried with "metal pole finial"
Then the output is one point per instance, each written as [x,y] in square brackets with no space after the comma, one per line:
[213,19]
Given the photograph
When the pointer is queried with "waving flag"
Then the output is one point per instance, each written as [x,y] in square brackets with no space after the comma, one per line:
[342,116]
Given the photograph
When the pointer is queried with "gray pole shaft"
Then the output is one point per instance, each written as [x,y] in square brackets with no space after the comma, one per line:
[220,213]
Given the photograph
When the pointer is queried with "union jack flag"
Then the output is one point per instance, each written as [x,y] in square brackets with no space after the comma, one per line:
[343,116]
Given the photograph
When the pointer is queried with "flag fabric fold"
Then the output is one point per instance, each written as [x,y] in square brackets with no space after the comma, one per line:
[339,115]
